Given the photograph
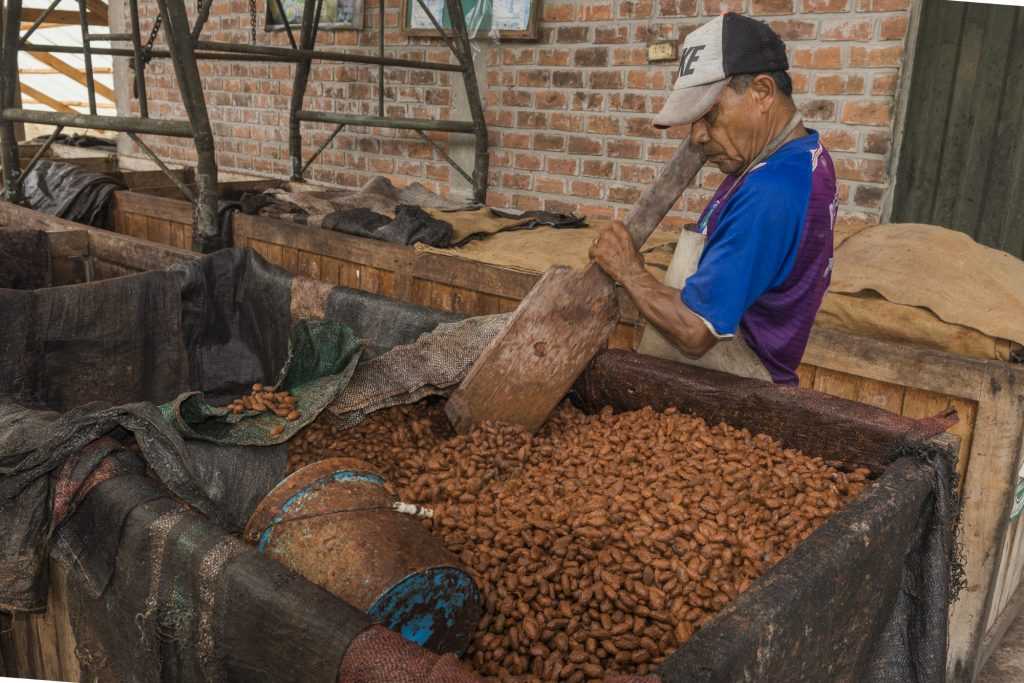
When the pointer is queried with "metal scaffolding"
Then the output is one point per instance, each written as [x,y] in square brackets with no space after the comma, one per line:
[185,48]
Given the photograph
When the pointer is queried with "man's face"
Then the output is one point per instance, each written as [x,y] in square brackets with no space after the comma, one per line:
[729,133]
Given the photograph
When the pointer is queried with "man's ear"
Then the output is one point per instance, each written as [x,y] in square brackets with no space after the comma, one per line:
[763,90]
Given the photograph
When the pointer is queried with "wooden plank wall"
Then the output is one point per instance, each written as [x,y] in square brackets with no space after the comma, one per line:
[961,162]
[157,219]
[42,645]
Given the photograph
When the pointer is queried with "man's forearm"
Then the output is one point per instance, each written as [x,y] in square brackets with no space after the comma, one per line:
[662,307]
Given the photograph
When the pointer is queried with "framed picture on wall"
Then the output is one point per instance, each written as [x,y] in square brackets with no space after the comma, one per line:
[513,19]
[336,14]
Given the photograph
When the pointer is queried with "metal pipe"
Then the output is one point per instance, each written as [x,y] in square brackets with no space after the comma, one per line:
[287,24]
[204,14]
[90,83]
[38,22]
[481,160]
[121,124]
[157,54]
[444,155]
[307,39]
[9,85]
[160,164]
[206,233]
[110,37]
[39,154]
[140,63]
[302,54]
[322,148]
[383,122]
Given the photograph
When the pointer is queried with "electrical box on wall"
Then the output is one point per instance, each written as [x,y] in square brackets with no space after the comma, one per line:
[664,51]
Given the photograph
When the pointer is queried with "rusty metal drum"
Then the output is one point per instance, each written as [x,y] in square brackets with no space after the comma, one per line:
[335,523]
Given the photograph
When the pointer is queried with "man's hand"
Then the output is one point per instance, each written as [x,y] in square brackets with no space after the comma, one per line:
[613,250]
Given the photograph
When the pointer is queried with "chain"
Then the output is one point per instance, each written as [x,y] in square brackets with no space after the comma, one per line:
[252,19]
[147,49]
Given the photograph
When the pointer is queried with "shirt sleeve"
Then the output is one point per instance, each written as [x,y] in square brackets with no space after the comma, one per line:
[751,250]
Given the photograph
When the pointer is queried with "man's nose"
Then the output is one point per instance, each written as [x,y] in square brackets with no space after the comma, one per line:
[699,132]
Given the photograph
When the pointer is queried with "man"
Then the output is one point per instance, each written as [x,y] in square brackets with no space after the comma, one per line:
[767,260]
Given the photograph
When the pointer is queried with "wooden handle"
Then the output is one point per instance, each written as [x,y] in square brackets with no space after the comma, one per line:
[658,199]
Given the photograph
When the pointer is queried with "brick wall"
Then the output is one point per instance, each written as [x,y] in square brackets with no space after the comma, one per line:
[569,115]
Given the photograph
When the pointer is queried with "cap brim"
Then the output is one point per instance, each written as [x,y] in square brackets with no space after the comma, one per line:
[686,105]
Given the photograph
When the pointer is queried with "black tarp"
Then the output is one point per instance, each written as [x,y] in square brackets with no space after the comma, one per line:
[70,192]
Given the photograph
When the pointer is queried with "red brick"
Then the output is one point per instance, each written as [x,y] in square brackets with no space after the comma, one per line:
[559,12]
[516,181]
[624,149]
[551,99]
[604,35]
[500,159]
[869,196]
[510,56]
[544,183]
[818,110]
[516,140]
[531,119]
[606,80]
[847,30]
[572,123]
[572,34]
[629,56]
[562,166]
[548,142]
[882,5]
[525,202]
[586,146]
[893,28]
[585,188]
[554,57]
[641,127]
[382,165]
[715,7]
[710,178]
[591,56]
[516,98]
[648,33]
[596,12]
[439,172]
[624,195]
[884,84]
[762,7]
[567,79]
[499,199]
[839,140]
[791,29]
[647,79]
[528,162]
[876,56]
[864,170]
[560,206]
[603,125]
[869,112]
[587,101]
[826,5]
[661,152]
[597,169]
[635,9]
[877,142]
[534,79]
[636,173]
[677,8]
[628,102]
[818,58]
[838,84]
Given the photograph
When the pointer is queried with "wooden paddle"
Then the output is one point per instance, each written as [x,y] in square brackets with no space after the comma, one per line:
[567,317]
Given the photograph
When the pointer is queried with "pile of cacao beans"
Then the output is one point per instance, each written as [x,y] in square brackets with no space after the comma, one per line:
[265,400]
[603,542]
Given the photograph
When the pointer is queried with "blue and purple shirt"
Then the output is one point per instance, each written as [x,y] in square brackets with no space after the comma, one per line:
[768,258]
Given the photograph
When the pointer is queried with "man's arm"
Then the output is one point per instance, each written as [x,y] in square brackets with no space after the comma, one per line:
[661,305]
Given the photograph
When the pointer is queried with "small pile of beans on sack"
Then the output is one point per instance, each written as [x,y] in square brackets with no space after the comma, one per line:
[603,542]
[263,400]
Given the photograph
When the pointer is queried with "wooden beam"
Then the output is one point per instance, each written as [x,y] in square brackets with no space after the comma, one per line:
[71,72]
[98,9]
[49,72]
[43,98]
[60,17]
[26,25]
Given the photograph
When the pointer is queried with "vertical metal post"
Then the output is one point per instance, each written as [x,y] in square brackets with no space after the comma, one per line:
[465,57]
[307,39]
[380,68]
[206,233]
[90,84]
[140,65]
[9,85]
